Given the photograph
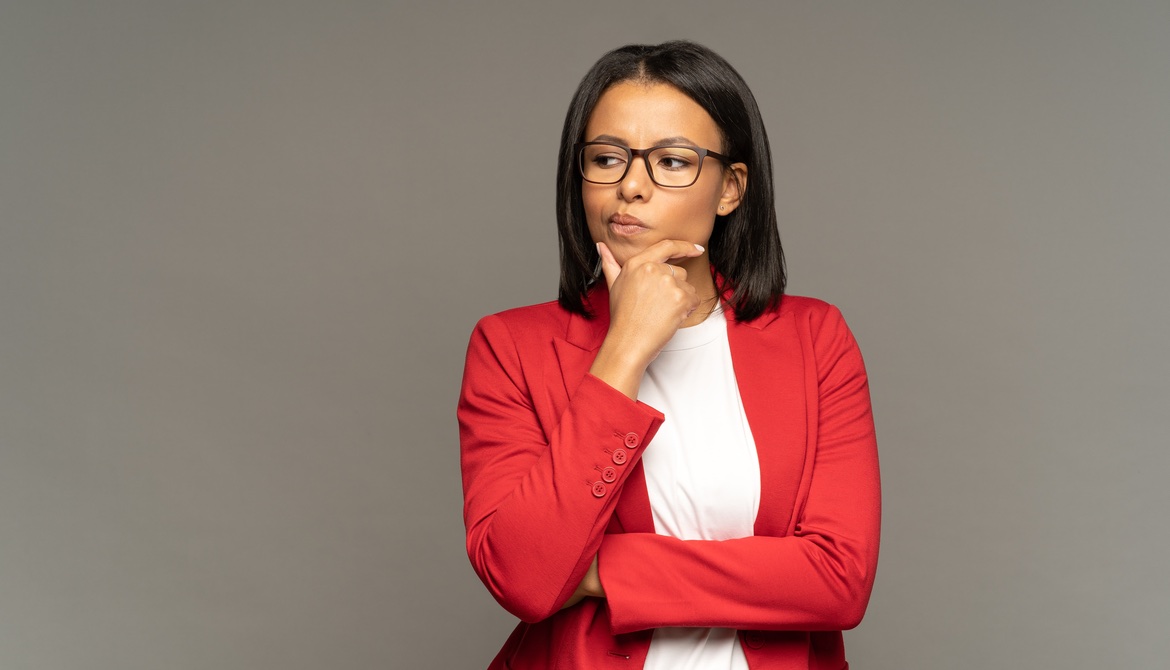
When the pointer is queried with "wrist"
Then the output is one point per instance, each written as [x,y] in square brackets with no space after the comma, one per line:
[619,367]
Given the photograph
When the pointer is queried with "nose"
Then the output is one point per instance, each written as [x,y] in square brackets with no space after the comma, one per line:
[637,182]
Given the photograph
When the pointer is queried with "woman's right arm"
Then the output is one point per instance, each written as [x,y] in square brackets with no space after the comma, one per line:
[535,503]
[534,520]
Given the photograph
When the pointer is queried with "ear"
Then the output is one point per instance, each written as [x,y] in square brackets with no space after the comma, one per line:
[734,187]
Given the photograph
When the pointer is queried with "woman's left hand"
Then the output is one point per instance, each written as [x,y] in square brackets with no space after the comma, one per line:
[590,586]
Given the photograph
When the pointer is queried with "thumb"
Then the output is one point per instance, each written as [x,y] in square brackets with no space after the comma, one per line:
[609,266]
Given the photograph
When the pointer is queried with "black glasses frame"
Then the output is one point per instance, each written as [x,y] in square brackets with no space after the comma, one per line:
[631,154]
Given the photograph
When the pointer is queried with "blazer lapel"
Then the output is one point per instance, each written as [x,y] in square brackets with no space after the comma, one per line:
[769,369]
[574,362]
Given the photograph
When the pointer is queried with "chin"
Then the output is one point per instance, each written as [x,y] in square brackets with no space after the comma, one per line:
[624,249]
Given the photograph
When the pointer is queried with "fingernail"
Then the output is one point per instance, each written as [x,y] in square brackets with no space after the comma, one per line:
[700,248]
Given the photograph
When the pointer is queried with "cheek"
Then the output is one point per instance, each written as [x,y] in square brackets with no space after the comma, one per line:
[590,199]
[592,204]
[696,214]
[700,231]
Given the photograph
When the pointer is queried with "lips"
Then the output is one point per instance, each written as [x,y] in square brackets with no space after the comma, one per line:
[624,224]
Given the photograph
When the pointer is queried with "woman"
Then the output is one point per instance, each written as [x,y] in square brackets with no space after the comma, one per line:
[673,465]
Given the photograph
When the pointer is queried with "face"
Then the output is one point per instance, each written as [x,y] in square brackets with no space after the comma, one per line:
[635,213]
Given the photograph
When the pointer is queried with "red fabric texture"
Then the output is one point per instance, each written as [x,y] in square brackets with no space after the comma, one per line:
[537,431]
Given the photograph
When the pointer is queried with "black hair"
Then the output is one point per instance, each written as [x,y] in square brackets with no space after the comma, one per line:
[744,247]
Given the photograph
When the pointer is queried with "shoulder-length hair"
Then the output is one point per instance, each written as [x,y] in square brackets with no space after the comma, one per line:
[744,248]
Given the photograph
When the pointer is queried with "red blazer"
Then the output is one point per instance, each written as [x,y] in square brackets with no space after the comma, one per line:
[552,476]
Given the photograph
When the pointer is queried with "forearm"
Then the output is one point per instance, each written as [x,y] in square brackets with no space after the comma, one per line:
[536,508]
[759,583]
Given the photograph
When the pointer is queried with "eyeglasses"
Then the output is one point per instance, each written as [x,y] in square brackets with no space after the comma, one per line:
[671,167]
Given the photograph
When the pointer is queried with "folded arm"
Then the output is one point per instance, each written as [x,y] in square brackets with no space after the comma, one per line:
[533,516]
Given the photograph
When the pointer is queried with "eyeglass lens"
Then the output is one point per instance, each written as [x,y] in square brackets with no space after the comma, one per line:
[669,166]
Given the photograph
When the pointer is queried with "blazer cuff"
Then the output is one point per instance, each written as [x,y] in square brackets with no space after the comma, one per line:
[622,427]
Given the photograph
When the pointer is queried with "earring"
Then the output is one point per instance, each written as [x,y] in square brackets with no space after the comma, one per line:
[720,208]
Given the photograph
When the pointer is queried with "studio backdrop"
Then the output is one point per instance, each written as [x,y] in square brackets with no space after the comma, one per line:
[243,246]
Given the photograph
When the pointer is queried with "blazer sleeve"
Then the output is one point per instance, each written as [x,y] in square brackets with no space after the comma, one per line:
[533,508]
[818,578]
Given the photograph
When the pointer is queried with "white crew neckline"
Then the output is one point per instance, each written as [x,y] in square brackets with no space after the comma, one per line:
[699,334]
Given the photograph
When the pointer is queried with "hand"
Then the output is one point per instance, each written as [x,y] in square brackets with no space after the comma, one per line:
[648,301]
[590,586]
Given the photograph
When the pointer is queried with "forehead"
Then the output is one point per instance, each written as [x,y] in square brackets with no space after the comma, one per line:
[643,114]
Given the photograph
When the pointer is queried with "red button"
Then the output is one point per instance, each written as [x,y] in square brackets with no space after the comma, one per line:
[608,475]
[598,489]
[755,640]
[632,440]
[619,456]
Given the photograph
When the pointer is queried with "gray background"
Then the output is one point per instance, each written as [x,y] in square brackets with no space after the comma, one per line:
[243,244]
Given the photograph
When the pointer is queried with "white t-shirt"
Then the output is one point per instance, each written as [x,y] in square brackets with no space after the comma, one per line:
[702,473]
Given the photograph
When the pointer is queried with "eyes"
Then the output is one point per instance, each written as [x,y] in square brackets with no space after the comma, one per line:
[675,163]
[666,158]
[608,160]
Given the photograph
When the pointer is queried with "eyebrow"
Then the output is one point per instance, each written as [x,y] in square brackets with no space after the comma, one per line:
[666,141]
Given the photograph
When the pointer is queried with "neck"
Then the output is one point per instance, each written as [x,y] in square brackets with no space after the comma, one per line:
[699,276]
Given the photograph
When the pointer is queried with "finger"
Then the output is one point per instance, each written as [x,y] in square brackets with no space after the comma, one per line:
[679,273]
[609,266]
[664,250]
